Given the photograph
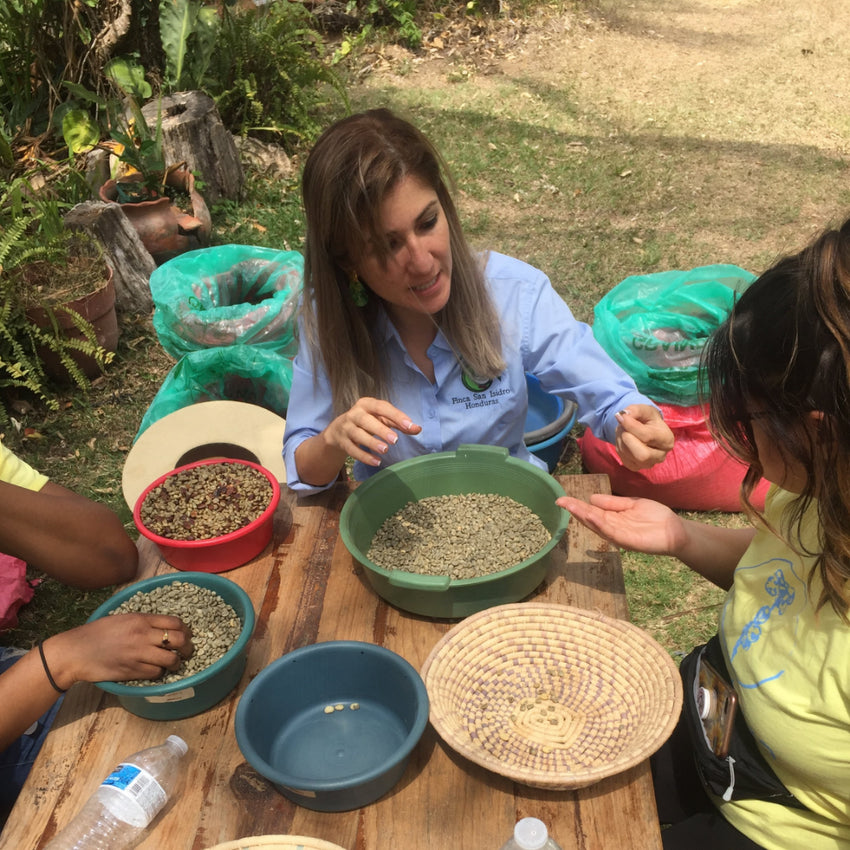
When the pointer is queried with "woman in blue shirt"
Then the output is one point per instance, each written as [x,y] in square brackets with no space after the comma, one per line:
[412,343]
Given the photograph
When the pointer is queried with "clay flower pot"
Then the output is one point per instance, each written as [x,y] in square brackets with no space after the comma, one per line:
[164,228]
[98,309]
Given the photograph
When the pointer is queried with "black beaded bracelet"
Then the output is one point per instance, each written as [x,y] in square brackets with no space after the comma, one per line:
[47,670]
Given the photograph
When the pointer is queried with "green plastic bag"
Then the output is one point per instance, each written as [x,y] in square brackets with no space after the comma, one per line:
[237,373]
[228,295]
[655,326]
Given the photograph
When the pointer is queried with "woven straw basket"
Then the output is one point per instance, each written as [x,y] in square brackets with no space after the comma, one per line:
[277,842]
[552,696]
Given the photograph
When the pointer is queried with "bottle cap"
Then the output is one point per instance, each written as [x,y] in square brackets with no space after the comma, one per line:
[179,743]
[530,834]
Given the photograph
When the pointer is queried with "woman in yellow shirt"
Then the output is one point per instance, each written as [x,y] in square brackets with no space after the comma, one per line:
[779,376]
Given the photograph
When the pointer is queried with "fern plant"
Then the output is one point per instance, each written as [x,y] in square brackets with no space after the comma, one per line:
[32,235]
[268,75]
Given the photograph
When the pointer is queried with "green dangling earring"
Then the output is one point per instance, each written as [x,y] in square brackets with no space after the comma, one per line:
[358,292]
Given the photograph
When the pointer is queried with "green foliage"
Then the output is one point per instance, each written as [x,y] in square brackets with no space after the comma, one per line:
[188,30]
[132,141]
[129,77]
[400,15]
[267,74]
[141,149]
[53,77]
[32,233]
[42,43]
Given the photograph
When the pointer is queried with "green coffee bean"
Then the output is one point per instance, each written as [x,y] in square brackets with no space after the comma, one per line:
[206,501]
[215,625]
[462,536]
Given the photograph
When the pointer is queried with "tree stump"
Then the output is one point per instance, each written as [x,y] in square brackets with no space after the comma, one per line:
[131,263]
[192,131]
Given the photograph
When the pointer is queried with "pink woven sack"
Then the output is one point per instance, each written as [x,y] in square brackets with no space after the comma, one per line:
[15,590]
[697,474]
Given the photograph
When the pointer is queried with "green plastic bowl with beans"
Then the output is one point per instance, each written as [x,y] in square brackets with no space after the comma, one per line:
[469,469]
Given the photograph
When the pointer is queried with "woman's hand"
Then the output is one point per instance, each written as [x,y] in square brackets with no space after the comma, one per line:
[119,647]
[111,649]
[643,437]
[646,526]
[638,524]
[364,432]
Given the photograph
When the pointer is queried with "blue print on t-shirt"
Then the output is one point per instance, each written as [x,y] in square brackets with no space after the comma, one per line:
[783,596]
[783,593]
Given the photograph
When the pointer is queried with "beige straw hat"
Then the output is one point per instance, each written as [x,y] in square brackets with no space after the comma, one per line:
[277,842]
[551,696]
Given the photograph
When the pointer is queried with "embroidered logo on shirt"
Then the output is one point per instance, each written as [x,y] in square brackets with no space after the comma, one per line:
[472,386]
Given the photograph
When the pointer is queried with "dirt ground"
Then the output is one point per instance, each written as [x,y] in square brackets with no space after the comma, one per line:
[742,70]
[747,85]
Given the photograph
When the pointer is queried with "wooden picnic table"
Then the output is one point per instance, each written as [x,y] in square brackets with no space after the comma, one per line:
[307,588]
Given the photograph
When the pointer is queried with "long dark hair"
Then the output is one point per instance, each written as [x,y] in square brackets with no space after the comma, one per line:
[783,353]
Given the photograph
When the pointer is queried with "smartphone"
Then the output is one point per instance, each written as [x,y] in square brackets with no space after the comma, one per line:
[716,704]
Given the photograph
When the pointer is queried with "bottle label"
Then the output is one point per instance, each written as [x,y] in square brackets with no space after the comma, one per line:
[132,795]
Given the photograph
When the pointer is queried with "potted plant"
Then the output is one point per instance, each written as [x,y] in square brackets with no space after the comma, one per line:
[57,299]
[159,198]
[161,201]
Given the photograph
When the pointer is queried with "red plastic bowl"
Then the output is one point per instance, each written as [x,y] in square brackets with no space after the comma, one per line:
[214,554]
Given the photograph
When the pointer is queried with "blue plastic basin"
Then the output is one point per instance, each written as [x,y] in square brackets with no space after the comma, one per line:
[332,725]
[547,424]
[202,690]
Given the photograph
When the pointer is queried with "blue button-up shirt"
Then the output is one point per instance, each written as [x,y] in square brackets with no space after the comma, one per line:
[539,336]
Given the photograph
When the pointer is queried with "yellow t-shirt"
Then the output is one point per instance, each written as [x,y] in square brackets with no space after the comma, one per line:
[15,471]
[792,674]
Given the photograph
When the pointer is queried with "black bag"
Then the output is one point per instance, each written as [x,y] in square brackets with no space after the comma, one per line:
[743,774]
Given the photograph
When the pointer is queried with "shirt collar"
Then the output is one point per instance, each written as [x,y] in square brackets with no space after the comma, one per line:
[387,332]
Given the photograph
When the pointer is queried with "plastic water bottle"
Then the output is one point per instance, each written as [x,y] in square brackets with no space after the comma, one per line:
[126,802]
[531,834]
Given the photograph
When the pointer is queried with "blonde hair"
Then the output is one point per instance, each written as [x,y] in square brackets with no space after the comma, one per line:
[351,169]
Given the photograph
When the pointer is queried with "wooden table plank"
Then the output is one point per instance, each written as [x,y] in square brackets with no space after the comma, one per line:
[307,588]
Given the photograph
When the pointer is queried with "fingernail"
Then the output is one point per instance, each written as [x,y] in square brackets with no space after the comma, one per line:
[624,412]
[393,438]
[407,424]
[382,448]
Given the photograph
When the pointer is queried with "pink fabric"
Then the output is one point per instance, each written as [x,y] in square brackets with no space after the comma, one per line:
[696,475]
[15,590]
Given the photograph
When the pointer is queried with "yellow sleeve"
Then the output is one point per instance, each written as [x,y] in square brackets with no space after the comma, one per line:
[13,470]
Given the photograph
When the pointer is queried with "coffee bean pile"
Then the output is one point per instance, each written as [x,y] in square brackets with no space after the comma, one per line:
[215,625]
[461,536]
[206,501]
